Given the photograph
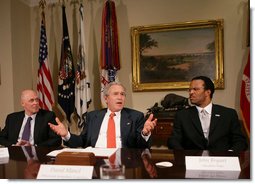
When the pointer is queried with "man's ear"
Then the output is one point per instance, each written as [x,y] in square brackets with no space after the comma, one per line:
[208,91]
[105,99]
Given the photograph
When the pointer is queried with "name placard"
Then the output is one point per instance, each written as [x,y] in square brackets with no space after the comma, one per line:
[4,155]
[212,174]
[4,152]
[65,172]
[212,163]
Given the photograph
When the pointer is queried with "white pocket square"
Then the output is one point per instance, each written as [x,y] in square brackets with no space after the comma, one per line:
[217,115]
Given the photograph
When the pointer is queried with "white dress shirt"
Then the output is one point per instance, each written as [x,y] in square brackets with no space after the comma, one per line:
[102,137]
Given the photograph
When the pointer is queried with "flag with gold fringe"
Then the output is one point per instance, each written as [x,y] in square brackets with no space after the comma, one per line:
[66,77]
[44,83]
[82,82]
[110,61]
[245,97]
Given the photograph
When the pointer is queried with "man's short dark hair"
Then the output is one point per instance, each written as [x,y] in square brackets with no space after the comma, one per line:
[208,84]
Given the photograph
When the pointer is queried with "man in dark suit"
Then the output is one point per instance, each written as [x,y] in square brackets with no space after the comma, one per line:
[131,128]
[221,132]
[40,134]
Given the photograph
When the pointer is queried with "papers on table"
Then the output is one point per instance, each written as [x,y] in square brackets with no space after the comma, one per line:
[99,152]
[65,172]
[4,155]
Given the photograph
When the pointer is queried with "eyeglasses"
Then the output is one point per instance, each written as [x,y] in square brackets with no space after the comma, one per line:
[194,89]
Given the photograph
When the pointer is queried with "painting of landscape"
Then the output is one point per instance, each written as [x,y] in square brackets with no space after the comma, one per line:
[168,56]
[177,56]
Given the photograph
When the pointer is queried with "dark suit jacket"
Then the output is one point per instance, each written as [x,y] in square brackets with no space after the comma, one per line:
[132,122]
[43,135]
[225,131]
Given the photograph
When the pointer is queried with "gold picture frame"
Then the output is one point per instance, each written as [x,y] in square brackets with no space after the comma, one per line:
[168,56]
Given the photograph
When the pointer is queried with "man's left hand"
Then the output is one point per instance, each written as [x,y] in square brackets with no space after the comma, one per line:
[149,125]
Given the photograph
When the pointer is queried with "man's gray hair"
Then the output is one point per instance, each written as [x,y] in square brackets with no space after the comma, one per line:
[108,86]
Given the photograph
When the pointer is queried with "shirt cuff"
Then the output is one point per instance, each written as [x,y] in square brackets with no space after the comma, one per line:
[146,137]
[67,137]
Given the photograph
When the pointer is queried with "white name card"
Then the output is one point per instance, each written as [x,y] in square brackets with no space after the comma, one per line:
[212,163]
[65,172]
[4,155]
[212,174]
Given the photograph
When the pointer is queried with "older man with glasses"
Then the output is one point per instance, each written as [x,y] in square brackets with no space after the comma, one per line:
[206,126]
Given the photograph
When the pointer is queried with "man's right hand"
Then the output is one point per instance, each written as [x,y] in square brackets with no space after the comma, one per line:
[59,129]
[23,143]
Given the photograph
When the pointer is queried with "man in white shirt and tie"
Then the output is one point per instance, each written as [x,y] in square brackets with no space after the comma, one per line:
[206,126]
[29,126]
[132,130]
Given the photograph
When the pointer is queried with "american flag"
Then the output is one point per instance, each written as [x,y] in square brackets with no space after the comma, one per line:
[82,84]
[44,84]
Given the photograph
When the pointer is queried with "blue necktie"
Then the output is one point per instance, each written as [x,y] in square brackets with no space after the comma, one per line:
[26,132]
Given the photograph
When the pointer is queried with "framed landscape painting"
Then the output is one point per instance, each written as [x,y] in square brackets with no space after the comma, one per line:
[168,56]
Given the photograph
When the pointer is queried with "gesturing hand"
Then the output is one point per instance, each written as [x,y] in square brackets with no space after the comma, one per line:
[59,129]
[149,125]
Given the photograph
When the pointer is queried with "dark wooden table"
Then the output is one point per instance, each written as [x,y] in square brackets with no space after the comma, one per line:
[138,164]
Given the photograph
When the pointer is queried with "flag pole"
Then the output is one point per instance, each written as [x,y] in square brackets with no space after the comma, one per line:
[44,83]
[63,2]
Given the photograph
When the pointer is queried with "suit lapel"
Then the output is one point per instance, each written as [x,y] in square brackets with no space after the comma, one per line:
[215,117]
[125,125]
[38,118]
[97,125]
[196,121]
[18,124]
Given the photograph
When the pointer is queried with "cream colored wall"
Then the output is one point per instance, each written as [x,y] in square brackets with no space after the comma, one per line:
[129,13]
[21,50]
[6,86]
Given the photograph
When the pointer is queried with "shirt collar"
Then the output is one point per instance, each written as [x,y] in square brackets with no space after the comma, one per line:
[208,108]
[116,113]
[33,116]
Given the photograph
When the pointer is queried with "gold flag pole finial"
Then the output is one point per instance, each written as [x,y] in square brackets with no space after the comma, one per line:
[63,2]
[74,2]
[42,4]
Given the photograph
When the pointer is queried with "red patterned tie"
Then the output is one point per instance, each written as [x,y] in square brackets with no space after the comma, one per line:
[111,135]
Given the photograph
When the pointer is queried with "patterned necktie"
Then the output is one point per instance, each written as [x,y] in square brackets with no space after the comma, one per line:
[111,135]
[26,132]
[205,121]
